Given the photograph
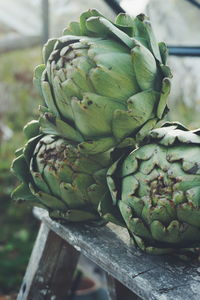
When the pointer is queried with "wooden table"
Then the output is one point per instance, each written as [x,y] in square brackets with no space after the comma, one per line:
[57,248]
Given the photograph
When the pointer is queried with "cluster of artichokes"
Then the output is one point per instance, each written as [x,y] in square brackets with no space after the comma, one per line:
[96,154]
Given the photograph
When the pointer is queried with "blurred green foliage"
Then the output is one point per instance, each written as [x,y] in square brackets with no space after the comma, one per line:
[19,104]
[184,113]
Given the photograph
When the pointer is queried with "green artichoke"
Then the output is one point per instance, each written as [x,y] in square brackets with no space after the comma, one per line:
[105,84]
[56,176]
[157,189]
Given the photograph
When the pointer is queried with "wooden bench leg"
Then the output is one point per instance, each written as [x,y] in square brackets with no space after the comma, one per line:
[124,293]
[111,288]
[117,291]
[50,269]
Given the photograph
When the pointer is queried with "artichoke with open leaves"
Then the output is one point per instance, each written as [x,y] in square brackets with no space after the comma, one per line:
[105,84]
[157,189]
[56,176]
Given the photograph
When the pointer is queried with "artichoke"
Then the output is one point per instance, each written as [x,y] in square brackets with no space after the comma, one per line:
[157,189]
[105,84]
[56,176]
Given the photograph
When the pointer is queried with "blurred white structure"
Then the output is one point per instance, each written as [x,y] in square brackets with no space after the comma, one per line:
[134,7]
[64,11]
[25,16]
[5,133]
[177,23]
[22,15]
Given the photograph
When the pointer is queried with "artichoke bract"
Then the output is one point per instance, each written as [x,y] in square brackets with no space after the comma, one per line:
[105,84]
[56,176]
[157,189]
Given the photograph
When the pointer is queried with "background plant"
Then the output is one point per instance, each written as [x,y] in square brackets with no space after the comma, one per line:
[19,104]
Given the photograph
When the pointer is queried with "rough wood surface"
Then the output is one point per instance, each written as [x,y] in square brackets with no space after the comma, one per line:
[149,277]
[50,270]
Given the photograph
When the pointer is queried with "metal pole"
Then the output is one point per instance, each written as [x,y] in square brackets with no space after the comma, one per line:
[194,2]
[184,50]
[45,20]
[114,4]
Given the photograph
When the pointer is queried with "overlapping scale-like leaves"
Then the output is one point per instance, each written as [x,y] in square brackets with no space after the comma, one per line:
[157,189]
[108,82]
[55,175]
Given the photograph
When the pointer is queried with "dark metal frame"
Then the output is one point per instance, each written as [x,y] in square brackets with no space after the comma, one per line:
[184,50]
[115,6]
[173,50]
[194,2]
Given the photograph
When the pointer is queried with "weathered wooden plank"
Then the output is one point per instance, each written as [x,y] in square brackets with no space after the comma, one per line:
[149,277]
[51,267]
